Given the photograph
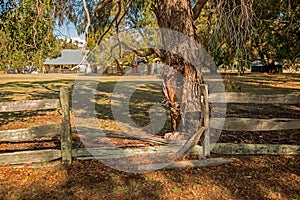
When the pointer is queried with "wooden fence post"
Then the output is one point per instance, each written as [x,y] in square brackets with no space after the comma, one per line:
[66,137]
[206,142]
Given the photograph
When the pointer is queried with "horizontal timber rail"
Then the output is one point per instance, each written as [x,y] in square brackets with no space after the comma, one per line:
[30,134]
[47,155]
[30,157]
[30,105]
[218,148]
[231,97]
[252,124]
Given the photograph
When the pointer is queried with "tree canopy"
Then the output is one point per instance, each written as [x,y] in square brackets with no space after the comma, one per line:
[231,31]
[275,36]
[26,32]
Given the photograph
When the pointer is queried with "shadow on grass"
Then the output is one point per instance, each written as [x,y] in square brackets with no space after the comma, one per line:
[32,90]
[140,101]
[268,84]
[251,177]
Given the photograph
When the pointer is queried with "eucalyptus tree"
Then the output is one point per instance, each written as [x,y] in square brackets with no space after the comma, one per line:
[233,19]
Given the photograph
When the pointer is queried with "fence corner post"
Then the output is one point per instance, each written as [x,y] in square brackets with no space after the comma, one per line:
[66,137]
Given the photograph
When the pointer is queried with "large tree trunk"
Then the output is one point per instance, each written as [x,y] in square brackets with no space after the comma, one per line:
[182,80]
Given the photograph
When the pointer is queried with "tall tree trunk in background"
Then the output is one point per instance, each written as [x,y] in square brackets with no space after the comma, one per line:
[181,79]
[119,67]
[270,65]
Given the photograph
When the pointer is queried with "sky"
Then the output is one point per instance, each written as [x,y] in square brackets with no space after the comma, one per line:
[67,31]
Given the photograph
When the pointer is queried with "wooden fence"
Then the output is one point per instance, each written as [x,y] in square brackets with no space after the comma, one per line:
[64,131]
[253,124]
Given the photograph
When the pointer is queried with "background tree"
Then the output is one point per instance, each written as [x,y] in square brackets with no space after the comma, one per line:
[26,31]
[276,32]
[224,28]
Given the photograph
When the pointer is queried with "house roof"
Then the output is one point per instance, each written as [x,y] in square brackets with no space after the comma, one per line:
[68,57]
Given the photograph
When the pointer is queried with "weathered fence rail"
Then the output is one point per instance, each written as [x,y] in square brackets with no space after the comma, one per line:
[30,157]
[30,134]
[48,155]
[64,131]
[252,124]
[28,105]
[231,97]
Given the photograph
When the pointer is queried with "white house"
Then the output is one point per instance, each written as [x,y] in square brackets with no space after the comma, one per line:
[69,60]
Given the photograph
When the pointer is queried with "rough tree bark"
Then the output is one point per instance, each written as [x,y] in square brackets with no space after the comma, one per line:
[181,79]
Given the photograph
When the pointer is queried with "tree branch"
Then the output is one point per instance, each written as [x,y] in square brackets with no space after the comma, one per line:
[112,23]
[144,54]
[87,25]
[198,8]
[102,5]
[86,33]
